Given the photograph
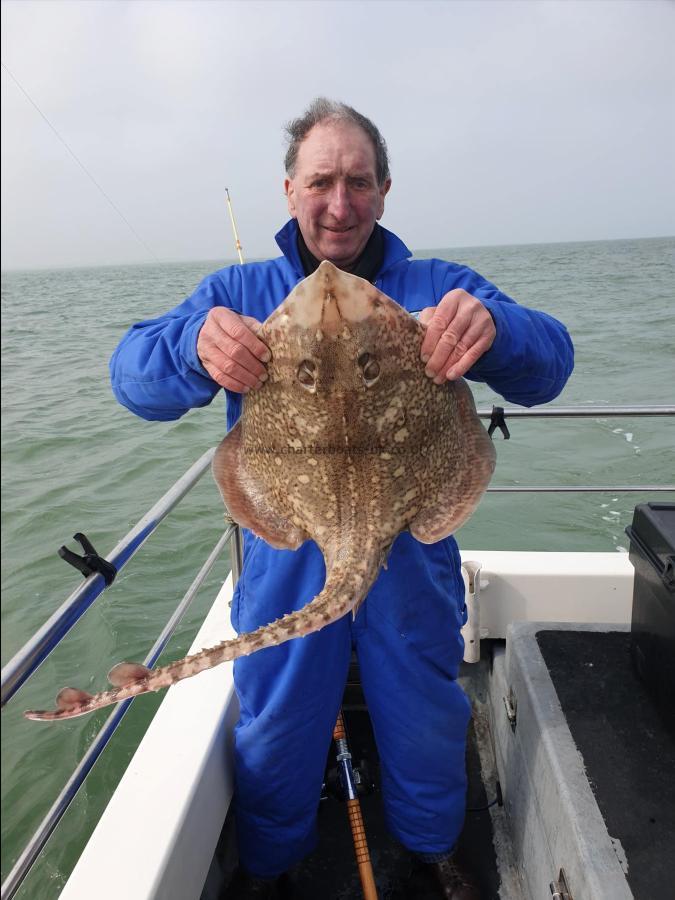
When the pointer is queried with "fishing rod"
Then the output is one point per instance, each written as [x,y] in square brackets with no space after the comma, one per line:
[237,242]
[354,813]
[344,757]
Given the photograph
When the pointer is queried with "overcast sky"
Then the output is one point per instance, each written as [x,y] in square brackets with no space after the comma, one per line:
[507,122]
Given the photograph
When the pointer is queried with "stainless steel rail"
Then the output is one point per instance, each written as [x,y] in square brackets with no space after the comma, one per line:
[38,648]
[577,412]
[574,412]
[27,660]
[62,802]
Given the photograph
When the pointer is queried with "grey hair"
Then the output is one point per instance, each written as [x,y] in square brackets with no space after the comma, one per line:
[324,110]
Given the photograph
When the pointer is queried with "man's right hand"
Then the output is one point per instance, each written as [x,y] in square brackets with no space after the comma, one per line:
[230,352]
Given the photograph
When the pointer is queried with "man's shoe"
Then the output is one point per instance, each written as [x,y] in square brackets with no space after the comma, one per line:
[454,881]
[445,880]
[243,886]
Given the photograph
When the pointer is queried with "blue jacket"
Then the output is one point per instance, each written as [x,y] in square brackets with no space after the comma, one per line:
[156,373]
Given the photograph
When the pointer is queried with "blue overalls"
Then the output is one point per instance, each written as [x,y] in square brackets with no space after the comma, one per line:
[407,632]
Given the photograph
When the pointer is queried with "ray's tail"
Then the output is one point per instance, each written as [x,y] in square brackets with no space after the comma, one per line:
[347,583]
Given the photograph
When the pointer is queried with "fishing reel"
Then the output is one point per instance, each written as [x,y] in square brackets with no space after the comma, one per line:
[333,783]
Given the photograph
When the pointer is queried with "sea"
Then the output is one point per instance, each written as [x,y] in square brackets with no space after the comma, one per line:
[73,460]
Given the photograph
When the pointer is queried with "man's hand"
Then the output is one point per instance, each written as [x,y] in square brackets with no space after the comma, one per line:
[230,351]
[459,331]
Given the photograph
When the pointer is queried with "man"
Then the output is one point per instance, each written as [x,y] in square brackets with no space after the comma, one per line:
[407,632]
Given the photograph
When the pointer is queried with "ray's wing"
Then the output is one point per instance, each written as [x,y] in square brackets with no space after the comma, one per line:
[247,500]
[462,480]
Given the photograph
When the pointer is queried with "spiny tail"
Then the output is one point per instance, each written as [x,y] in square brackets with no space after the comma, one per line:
[347,584]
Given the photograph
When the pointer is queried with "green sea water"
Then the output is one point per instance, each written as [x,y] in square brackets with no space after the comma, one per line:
[73,460]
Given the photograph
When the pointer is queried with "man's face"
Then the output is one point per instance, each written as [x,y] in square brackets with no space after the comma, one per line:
[334,193]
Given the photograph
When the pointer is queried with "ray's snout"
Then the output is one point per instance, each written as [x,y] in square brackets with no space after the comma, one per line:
[344,298]
[330,298]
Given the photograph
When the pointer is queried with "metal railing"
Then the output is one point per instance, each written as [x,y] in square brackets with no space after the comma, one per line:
[36,650]
[498,413]
[578,412]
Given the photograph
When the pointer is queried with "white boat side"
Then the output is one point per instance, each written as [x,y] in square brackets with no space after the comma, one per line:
[551,587]
[165,817]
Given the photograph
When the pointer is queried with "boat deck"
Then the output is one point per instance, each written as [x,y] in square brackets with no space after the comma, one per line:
[586,771]
[551,819]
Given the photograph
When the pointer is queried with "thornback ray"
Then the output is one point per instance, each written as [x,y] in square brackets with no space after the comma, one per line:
[348,443]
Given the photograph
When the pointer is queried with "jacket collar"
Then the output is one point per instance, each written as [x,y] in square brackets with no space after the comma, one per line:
[395,250]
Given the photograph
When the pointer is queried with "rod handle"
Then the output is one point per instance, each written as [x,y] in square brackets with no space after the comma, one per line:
[361,850]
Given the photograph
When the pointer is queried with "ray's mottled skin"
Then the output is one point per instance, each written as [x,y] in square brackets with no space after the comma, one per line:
[347,443]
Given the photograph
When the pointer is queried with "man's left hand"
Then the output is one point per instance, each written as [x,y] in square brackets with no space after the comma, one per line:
[459,331]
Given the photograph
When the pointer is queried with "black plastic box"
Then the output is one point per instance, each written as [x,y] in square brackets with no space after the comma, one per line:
[652,553]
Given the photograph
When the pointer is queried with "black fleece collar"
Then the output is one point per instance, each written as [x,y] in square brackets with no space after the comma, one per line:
[368,264]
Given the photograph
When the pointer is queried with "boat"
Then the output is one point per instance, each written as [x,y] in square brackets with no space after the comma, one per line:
[538,824]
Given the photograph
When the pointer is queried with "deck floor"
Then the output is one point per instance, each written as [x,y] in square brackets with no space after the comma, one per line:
[628,753]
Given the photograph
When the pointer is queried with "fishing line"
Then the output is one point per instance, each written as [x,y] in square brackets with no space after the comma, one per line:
[79,161]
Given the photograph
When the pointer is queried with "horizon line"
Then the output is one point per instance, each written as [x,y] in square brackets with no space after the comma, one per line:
[232,261]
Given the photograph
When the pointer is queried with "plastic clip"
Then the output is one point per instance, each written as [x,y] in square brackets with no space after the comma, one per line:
[89,563]
[497,420]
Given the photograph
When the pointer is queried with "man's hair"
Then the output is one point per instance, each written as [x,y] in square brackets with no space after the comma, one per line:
[324,110]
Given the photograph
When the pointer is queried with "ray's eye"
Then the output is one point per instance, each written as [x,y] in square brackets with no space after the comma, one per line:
[369,367]
[307,374]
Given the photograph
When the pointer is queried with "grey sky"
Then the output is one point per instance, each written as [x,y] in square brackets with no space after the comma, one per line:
[507,122]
